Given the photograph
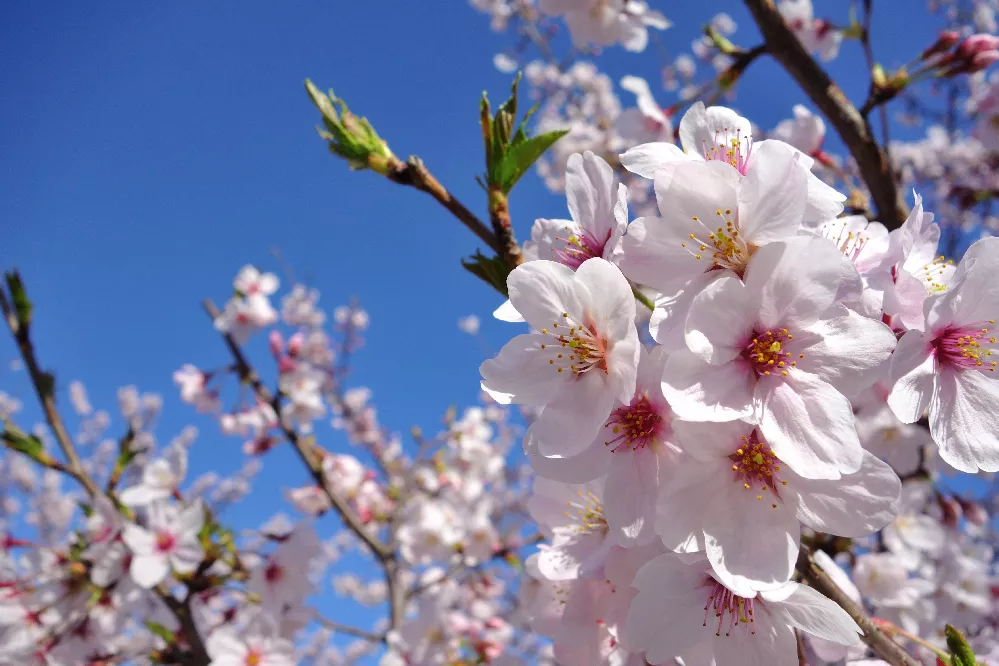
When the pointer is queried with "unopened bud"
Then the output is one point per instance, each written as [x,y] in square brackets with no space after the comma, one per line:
[276,343]
[946,40]
[878,76]
[295,344]
[984,60]
[976,44]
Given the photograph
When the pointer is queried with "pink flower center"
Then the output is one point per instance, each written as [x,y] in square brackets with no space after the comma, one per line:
[580,348]
[165,542]
[635,426]
[767,354]
[850,243]
[724,602]
[273,573]
[253,657]
[755,465]
[723,246]
[730,147]
[579,247]
[966,346]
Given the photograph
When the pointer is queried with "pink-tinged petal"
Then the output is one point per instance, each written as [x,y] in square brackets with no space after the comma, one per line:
[850,352]
[809,425]
[773,194]
[651,366]
[138,540]
[709,442]
[591,193]
[751,544]
[606,298]
[912,370]
[824,202]
[521,371]
[567,425]
[224,642]
[659,254]
[702,130]
[905,299]
[690,495]
[695,192]
[699,391]
[186,555]
[720,320]
[566,559]
[541,291]
[545,234]
[646,158]
[815,614]
[149,570]
[771,645]
[794,281]
[630,495]
[141,494]
[963,419]
[590,464]
[663,619]
[856,505]
[192,518]
[670,315]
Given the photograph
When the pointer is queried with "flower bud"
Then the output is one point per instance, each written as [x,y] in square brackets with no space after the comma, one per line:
[946,40]
[276,343]
[976,44]
[983,60]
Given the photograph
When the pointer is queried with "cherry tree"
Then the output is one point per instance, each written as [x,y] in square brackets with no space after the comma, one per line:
[746,413]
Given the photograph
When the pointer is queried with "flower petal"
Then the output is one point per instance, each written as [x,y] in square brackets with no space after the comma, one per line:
[702,392]
[719,322]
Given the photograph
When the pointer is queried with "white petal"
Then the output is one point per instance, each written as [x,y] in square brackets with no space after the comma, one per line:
[138,540]
[186,555]
[149,570]
[752,545]
[856,505]
[962,420]
[810,611]
[141,494]
[590,464]
[567,425]
[646,158]
[591,193]
[772,196]
[507,312]
[719,323]
[850,352]
[522,371]
[796,281]
[667,321]
[630,495]
[702,392]
[653,253]
[541,291]
[912,371]
[809,425]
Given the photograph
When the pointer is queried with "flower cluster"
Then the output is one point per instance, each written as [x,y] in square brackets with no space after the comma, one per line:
[680,462]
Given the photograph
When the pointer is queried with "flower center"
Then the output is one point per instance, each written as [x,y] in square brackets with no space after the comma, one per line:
[273,573]
[967,346]
[730,147]
[635,426]
[165,542]
[589,514]
[580,245]
[579,348]
[253,658]
[755,465]
[850,243]
[724,602]
[934,274]
[726,248]
[767,352]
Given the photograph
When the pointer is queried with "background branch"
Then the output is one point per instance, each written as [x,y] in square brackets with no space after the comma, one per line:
[842,114]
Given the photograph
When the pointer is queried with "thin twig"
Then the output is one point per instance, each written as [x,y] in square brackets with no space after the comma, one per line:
[882,645]
[344,629]
[842,114]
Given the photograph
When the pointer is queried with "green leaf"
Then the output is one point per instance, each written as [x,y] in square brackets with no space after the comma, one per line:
[160,631]
[29,445]
[522,156]
[521,133]
[961,652]
[493,270]
[22,306]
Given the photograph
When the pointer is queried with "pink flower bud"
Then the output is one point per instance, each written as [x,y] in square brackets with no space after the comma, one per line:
[951,511]
[295,344]
[946,40]
[276,343]
[977,44]
[369,475]
[286,364]
[984,60]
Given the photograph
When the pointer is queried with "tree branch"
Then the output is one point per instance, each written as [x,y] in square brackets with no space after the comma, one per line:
[827,96]
[44,385]
[882,645]
[414,173]
[383,552]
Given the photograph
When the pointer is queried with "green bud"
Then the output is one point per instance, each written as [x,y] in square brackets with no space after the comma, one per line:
[350,136]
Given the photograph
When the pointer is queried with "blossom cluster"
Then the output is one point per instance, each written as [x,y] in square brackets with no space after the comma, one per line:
[684,454]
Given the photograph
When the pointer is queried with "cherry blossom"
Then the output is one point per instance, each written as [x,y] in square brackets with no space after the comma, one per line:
[170,541]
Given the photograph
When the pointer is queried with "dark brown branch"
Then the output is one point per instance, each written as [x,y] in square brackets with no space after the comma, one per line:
[881,644]
[414,173]
[44,386]
[382,551]
[842,114]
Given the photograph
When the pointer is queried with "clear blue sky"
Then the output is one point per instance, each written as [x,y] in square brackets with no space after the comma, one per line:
[152,149]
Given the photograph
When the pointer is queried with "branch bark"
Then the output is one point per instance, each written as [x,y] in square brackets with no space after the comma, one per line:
[414,173]
[878,641]
[842,114]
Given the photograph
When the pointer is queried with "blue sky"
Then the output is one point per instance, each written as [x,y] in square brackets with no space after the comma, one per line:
[152,149]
